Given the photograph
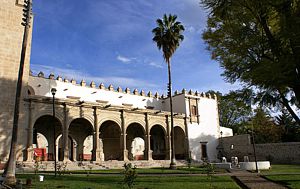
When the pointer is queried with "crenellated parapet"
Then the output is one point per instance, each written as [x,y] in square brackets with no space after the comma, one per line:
[127,90]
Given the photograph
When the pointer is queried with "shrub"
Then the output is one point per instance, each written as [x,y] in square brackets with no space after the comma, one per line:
[130,175]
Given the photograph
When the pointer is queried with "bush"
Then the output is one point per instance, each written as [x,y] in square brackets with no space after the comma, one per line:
[130,175]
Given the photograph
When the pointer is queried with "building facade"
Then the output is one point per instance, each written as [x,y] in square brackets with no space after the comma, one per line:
[96,122]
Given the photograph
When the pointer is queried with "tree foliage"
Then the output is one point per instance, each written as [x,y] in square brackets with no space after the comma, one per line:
[168,35]
[258,44]
[266,131]
[233,110]
[290,129]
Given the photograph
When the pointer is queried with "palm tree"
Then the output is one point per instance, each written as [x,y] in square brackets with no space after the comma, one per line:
[10,169]
[168,35]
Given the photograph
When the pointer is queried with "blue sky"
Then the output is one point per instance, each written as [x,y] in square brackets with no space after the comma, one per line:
[111,42]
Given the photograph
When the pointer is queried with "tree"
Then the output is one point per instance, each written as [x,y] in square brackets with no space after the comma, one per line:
[168,35]
[233,110]
[291,131]
[10,169]
[265,130]
[257,43]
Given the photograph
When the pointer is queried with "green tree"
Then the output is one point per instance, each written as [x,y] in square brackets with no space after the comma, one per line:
[234,111]
[257,43]
[265,129]
[168,35]
[291,131]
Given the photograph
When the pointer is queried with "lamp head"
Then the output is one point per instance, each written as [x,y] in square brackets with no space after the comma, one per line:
[53,91]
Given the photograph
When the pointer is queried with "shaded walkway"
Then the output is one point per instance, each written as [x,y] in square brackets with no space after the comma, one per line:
[253,180]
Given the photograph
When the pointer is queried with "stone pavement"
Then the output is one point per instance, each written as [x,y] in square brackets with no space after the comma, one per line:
[253,180]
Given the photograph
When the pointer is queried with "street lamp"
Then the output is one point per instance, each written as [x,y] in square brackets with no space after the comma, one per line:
[254,150]
[53,91]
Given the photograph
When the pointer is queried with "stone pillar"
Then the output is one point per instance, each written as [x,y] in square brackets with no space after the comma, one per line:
[65,135]
[186,142]
[123,136]
[148,151]
[168,140]
[29,148]
[79,149]
[97,150]
[74,151]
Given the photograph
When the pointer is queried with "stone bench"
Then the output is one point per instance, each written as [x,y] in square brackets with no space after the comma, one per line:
[250,166]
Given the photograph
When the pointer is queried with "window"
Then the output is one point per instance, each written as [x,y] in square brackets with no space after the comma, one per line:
[194,110]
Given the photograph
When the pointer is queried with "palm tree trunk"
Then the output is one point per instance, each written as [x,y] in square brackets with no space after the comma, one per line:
[10,169]
[173,160]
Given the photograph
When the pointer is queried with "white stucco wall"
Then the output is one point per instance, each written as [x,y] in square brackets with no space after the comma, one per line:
[207,131]
[43,86]
[178,104]
[226,132]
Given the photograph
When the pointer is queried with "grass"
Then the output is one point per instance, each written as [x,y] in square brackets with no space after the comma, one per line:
[114,182]
[287,175]
[159,170]
[292,181]
[283,169]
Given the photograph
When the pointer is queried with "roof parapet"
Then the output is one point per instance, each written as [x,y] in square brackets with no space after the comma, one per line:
[93,84]
[127,90]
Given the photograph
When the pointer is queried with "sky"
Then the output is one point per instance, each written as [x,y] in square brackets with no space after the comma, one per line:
[110,42]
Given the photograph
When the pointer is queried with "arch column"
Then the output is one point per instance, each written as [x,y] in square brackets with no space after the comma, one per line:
[65,135]
[123,136]
[79,150]
[186,144]
[29,149]
[97,149]
[74,151]
[148,151]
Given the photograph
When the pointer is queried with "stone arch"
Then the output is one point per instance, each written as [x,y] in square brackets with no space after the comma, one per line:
[110,136]
[44,125]
[179,143]
[141,122]
[179,124]
[30,91]
[90,119]
[158,142]
[47,111]
[79,130]
[135,146]
[160,122]
[115,119]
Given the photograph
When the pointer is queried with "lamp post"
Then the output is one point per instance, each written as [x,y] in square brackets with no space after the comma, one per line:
[53,91]
[254,150]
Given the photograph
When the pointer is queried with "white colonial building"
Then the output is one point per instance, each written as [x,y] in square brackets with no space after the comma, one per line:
[95,122]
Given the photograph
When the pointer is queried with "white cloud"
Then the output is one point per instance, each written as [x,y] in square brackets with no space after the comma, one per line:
[124,59]
[190,29]
[156,65]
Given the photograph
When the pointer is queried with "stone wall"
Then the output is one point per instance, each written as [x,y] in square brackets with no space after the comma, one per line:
[240,146]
